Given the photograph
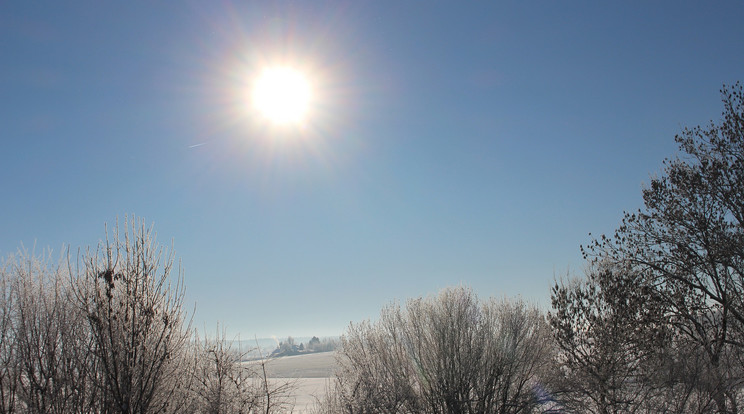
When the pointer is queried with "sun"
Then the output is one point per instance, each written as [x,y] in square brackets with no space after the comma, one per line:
[282,95]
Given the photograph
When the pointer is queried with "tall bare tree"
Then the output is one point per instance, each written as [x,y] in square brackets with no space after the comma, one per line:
[108,334]
[617,352]
[41,333]
[688,243]
[136,320]
[8,361]
[44,354]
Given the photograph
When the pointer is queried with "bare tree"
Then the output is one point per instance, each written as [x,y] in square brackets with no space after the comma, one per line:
[688,243]
[111,337]
[617,351]
[224,383]
[8,360]
[136,321]
[445,354]
[42,319]
[44,362]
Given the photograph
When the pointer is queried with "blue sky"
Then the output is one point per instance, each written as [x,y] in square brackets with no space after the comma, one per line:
[448,144]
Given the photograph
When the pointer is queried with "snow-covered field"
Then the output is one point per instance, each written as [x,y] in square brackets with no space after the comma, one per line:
[309,374]
[306,393]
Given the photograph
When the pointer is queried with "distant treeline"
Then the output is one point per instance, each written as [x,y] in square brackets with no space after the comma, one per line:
[315,344]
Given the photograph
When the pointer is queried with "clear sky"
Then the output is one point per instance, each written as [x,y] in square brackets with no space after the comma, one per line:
[472,143]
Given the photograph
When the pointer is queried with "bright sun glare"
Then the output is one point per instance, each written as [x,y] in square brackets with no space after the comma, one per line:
[282,95]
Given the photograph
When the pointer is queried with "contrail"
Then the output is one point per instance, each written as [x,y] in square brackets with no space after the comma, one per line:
[197,145]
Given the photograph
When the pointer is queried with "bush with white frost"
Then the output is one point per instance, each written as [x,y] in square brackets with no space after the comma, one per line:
[450,353]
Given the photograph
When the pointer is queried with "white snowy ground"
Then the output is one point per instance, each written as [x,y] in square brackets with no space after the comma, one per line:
[310,374]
